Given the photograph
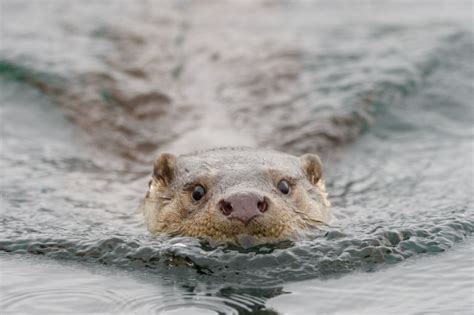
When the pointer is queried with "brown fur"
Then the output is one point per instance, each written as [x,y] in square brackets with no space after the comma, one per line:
[169,207]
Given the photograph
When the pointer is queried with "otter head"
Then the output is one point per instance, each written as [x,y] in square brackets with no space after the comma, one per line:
[228,194]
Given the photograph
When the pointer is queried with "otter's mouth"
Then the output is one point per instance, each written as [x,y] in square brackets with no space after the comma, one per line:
[248,240]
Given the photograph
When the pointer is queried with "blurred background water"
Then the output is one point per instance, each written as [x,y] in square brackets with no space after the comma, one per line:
[91,92]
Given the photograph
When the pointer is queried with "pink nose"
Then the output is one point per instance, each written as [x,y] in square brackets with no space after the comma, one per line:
[243,206]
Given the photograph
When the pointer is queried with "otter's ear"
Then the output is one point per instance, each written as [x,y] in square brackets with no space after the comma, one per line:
[163,169]
[313,167]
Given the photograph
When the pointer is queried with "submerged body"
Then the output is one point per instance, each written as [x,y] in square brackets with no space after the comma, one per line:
[236,194]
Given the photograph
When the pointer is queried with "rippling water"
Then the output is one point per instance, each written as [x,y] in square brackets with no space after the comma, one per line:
[91,92]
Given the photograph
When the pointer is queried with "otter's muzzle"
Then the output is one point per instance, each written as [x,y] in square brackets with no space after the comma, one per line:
[243,206]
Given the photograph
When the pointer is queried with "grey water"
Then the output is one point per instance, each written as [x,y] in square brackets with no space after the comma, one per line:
[91,92]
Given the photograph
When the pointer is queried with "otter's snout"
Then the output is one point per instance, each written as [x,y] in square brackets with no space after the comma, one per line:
[243,206]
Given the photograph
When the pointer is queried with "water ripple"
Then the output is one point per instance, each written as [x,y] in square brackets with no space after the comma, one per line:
[400,85]
[329,254]
[152,304]
[44,299]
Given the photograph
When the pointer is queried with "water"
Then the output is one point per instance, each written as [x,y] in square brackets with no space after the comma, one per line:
[90,93]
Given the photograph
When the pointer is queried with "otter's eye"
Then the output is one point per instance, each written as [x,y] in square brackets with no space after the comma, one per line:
[284,187]
[198,192]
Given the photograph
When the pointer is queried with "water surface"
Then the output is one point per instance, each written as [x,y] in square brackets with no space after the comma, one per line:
[90,93]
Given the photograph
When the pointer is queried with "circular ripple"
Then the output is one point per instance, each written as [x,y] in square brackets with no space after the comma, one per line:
[60,299]
[190,303]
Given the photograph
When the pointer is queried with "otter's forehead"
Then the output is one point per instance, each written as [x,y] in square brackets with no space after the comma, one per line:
[237,164]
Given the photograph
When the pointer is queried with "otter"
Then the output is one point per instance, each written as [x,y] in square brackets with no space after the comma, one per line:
[228,195]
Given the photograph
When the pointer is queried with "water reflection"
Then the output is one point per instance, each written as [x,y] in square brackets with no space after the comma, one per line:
[97,289]
[81,122]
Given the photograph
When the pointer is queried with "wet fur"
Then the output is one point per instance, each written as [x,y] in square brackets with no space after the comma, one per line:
[169,208]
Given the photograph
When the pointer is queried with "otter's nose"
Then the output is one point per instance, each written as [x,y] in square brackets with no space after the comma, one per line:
[243,206]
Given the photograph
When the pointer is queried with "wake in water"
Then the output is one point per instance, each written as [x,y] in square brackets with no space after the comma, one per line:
[387,103]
